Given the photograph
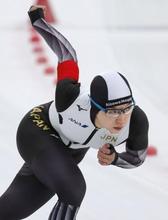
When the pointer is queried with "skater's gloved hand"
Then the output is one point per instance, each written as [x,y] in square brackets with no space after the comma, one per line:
[106,155]
[35,7]
[36,11]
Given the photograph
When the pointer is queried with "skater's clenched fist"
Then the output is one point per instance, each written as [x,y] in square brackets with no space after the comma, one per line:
[105,155]
[36,12]
[35,7]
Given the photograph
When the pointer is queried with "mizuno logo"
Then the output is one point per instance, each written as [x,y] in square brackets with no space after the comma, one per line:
[78,123]
[80,108]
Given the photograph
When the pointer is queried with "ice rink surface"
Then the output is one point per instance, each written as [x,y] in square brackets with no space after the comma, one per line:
[107,36]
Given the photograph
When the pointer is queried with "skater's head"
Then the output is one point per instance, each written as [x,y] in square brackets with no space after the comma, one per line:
[111,97]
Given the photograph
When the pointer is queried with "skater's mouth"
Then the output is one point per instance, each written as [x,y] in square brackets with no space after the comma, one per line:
[117,128]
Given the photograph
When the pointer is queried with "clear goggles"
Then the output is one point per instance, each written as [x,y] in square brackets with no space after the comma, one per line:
[113,112]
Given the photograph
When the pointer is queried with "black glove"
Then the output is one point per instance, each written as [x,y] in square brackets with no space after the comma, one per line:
[112,150]
[35,14]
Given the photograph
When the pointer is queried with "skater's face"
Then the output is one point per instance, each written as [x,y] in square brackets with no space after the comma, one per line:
[114,119]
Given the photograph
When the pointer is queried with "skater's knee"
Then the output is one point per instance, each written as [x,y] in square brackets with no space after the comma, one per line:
[78,192]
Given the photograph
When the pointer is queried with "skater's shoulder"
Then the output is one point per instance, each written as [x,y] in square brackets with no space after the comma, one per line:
[67,86]
[67,91]
[139,116]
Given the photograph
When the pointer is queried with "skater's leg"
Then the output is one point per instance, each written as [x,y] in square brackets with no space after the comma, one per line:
[64,178]
[56,168]
[51,161]
[61,209]
[24,196]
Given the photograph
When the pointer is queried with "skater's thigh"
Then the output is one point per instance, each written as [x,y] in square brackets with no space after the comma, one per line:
[57,169]
[24,196]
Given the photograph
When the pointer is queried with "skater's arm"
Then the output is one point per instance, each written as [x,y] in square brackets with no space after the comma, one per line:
[130,158]
[56,41]
[136,145]
[68,87]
